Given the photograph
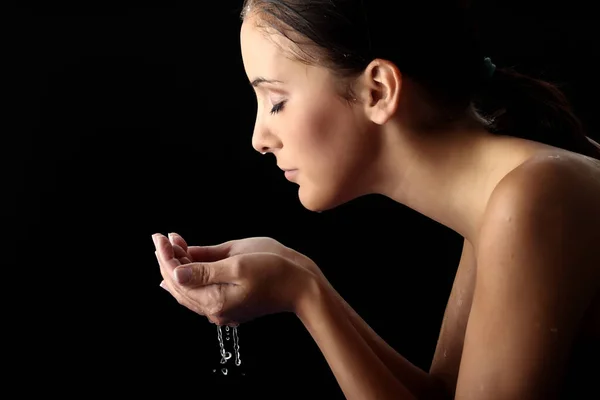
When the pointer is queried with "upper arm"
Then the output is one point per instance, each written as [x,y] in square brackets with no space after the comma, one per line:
[446,360]
[530,293]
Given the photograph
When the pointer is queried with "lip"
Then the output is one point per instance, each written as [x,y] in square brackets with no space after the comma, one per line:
[290,173]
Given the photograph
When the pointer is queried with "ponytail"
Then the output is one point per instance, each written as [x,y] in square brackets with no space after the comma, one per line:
[518,105]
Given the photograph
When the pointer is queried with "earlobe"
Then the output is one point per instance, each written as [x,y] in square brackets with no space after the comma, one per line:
[383,83]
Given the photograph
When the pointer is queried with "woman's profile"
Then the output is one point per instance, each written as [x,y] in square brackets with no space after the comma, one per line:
[356,98]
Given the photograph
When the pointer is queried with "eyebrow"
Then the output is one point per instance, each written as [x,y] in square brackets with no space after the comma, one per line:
[256,82]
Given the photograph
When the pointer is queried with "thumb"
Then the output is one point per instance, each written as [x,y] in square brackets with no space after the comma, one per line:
[203,274]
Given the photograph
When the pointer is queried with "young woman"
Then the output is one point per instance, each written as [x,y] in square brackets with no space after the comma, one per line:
[355,98]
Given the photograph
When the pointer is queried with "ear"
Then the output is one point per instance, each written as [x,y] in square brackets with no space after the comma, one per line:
[381,86]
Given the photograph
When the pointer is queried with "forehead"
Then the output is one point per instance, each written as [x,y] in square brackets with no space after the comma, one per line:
[265,51]
[268,54]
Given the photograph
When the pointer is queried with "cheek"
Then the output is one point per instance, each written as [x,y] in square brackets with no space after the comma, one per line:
[323,132]
[328,151]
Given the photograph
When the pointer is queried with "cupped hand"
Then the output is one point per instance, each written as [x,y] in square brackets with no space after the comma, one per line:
[186,254]
[231,288]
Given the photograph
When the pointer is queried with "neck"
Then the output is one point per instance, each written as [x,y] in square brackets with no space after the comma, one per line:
[446,176]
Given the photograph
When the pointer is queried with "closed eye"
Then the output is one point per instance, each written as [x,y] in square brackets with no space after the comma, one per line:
[277,107]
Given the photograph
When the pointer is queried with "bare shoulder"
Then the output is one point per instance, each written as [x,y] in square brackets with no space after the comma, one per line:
[537,272]
[557,176]
[552,198]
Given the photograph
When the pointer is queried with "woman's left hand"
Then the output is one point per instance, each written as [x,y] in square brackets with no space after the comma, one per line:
[235,289]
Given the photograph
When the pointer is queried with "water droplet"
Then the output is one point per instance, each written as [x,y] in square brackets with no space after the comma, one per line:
[236,347]
[221,346]
[224,371]
[225,355]
[214,370]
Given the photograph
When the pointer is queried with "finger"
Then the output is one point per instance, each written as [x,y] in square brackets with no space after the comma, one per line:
[202,274]
[182,298]
[165,252]
[210,253]
[177,239]
[164,286]
[167,282]
[167,276]
[166,270]
[179,243]
[181,254]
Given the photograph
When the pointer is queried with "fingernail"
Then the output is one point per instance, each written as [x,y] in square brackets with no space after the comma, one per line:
[162,285]
[170,238]
[155,239]
[183,275]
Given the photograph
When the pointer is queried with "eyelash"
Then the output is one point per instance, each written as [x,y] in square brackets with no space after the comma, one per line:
[277,107]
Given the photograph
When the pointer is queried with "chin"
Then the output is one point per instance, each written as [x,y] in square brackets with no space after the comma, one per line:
[321,200]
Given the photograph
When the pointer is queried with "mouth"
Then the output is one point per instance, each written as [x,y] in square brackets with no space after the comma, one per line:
[290,174]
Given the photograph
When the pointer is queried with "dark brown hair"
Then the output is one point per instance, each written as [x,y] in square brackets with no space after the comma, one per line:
[434,43]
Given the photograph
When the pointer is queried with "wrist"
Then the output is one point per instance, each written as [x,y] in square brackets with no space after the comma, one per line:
[310,296]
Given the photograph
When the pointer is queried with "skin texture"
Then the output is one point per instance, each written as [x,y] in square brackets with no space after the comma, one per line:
[528,282]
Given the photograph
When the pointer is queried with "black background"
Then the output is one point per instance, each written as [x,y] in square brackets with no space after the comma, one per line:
[132,121]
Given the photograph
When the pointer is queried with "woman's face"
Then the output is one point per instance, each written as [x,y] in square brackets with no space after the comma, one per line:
[305,123]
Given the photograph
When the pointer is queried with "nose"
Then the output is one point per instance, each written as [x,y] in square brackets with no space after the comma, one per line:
[263,139]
